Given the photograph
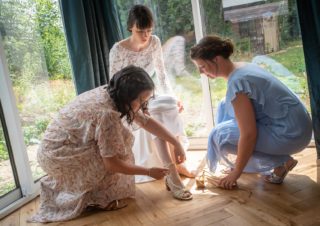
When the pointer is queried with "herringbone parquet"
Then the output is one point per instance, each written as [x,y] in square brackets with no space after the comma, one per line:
[295,202]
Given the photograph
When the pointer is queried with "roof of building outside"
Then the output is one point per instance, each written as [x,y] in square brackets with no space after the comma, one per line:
[233,3]
[254,12]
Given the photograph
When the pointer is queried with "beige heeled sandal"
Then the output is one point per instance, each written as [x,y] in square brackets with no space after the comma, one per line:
[178,192]
[278,179]
[116,204]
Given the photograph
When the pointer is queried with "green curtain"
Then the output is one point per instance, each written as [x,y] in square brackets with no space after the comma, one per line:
[91,28]
[309,16]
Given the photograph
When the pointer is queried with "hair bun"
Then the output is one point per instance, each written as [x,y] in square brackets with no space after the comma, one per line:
[212,46]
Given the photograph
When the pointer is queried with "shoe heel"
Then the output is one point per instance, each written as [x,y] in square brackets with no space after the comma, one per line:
[167,186]
[178,192]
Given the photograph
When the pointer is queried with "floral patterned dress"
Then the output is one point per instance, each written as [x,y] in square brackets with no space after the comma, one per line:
[85,131]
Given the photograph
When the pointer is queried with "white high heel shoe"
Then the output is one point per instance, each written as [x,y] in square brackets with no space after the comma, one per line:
[178,192]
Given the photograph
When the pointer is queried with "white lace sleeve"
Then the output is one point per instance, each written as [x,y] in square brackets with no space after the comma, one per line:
[115,62]
[160,69]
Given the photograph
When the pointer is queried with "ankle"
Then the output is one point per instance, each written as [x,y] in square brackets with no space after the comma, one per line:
[174,183]
[174,177]
[183,170]
[170,166]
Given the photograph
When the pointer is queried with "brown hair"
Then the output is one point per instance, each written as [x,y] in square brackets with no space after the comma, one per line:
[211,46]
[125,86]
[141,16]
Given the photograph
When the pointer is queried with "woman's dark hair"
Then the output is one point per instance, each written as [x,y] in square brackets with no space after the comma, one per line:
[211,46]
[141,16]
[125,86]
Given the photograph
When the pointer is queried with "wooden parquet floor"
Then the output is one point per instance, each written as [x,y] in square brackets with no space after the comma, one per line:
[295,202]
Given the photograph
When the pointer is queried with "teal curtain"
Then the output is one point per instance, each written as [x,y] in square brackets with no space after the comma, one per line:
[309,16]
[91,28]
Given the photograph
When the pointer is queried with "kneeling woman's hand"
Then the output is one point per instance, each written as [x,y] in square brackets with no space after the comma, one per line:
[229,182]
[157,173]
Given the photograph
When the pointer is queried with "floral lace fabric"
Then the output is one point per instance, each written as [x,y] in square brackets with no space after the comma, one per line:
[150,59]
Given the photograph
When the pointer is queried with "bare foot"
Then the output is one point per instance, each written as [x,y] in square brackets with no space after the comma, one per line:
[182,169]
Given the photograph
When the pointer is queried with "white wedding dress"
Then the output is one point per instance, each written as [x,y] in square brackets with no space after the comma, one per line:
[163,107]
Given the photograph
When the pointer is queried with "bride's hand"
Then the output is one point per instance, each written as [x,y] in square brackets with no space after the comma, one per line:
[179,153]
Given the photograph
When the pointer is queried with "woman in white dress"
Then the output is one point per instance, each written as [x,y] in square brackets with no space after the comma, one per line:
[144,50]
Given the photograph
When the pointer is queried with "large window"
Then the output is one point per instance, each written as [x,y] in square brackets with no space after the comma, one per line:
[37,75]
[8,180]
[266,33]
[175,27]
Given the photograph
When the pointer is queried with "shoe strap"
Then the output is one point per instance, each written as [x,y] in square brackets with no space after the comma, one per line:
[180,193]
[175,187]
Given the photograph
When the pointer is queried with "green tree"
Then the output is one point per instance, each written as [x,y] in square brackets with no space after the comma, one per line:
[174,17]
[214,19]
[49,26]
[18,37]
[289,25]
[3,147]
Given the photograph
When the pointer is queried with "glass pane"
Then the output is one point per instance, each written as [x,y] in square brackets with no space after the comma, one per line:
[7,180]
[264,32]
[175,28]
[38,63]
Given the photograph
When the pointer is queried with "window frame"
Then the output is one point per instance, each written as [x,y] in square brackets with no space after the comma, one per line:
[197,20]
[28,189]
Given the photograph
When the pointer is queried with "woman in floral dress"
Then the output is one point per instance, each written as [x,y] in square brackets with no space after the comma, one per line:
[86,150]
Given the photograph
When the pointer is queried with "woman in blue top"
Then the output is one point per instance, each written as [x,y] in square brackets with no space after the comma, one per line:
[259,125]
